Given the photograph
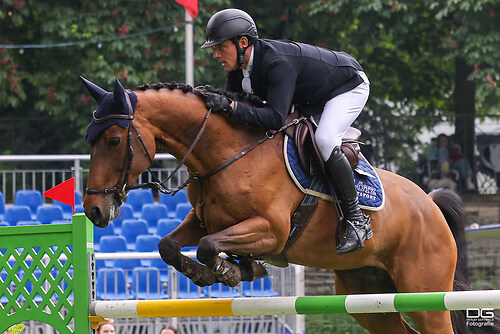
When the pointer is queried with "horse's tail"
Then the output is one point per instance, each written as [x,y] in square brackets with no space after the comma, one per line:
[452,207]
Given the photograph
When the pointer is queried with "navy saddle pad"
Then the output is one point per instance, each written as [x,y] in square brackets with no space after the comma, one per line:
[368,185]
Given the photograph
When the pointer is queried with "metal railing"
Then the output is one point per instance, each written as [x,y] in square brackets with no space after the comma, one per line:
[43,172]
[284,282]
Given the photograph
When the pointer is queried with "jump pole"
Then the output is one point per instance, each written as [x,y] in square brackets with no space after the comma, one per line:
[362,303]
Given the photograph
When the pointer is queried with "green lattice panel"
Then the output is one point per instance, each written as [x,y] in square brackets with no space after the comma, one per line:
[44,275]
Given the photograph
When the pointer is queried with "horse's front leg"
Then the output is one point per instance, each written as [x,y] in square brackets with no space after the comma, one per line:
[253,236]
[188,233]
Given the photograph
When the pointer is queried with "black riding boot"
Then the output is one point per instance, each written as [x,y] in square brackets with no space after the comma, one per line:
[358,228]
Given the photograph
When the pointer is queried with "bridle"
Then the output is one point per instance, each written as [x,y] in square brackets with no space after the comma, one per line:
[122,188]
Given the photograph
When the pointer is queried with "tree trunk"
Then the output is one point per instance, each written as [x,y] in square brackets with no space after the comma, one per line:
[465,109]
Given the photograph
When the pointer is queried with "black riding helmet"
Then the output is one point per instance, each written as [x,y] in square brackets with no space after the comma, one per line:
[231,24]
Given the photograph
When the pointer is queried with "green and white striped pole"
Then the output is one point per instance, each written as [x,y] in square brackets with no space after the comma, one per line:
[363,303]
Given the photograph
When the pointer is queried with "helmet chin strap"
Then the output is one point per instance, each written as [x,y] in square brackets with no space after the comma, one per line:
[240,56]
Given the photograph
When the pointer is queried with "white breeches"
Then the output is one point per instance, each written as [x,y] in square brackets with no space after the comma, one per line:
[338,115]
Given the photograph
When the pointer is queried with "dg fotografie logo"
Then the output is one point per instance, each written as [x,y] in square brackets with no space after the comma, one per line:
[479,317]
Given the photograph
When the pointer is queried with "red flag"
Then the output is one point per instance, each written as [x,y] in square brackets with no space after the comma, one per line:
[190,5]
[63,192]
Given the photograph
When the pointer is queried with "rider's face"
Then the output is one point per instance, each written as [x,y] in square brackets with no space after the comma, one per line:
[226,54]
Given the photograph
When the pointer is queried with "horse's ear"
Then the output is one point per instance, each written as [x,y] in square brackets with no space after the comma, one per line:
[94,90]
[119,94]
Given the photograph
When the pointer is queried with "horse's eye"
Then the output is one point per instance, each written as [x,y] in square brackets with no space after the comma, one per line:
[115,141]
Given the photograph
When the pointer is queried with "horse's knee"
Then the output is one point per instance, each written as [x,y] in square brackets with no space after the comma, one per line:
[207,250]
[169,250]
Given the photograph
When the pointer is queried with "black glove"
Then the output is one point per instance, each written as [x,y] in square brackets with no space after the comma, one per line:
[218,103]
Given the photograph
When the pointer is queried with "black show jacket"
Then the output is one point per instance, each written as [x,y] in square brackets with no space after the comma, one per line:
[286,73]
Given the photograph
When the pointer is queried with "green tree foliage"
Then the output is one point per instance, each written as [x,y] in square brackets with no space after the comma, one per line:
[411,51]
[44,107]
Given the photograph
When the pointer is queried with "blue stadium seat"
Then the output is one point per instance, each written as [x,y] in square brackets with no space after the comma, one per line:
[28,222]
[111,284]
[2,206]
[182,209]
[167,225]
[79,208]
[15,213]
[46,214]
[67,209]
[187,289]
[172,201]
[149,243]
[4,224]
[111,244]
[78,198]
[138,197]
[151,213]
[62,221]
[131,228]
[126,212]
[146,284]
[100,232]
[31,198]
[258,288]
[128,265]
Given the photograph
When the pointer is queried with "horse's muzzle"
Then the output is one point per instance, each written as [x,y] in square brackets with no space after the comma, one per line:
[97,217]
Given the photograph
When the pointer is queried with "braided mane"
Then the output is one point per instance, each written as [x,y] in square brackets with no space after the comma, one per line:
[241,97]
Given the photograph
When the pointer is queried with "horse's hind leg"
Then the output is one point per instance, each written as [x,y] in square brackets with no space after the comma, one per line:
[371,280]
[430,271]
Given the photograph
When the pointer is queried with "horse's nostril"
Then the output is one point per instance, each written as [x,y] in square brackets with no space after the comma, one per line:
[96,214]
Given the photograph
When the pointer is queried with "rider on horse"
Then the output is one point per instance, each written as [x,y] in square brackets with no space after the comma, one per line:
[330,85]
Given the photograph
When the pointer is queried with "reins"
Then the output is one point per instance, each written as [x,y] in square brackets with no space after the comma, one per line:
[122,187]
[160,185]
[194,177]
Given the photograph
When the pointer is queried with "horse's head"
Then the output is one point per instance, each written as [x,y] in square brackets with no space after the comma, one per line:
[114,139]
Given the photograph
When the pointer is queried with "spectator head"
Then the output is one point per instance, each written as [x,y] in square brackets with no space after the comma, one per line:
[442,140]
[169,330]
[106,328]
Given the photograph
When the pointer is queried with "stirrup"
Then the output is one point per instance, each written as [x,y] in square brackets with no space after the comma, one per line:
[355,227]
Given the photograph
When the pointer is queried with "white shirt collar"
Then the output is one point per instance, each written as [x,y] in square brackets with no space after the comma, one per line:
[246,71]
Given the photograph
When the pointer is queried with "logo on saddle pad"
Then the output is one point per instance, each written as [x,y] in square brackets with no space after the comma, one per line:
[368,185]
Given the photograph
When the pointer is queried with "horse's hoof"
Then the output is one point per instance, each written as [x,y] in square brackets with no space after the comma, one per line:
[251,269]
[197,272]
[228,273]
[205,279]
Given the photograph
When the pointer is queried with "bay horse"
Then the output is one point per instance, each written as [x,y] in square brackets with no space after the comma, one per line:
[244,208]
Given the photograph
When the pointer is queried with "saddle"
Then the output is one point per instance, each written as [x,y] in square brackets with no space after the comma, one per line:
[302,133]
[311,160]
